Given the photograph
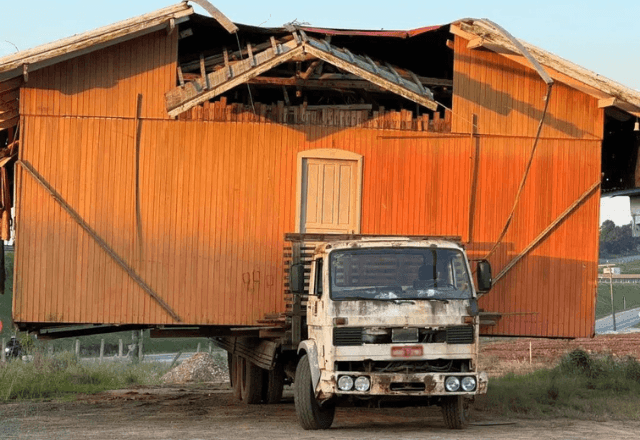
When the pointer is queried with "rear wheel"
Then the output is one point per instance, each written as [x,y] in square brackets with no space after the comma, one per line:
[250,376]
[234,375]
[311,415]
[273,384]
[455,410]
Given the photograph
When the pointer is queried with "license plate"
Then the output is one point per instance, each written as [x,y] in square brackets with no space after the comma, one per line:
[406,351]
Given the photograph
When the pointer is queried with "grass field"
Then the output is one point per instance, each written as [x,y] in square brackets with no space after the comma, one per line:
[62,375]
[5,300]
[630,268]
[629,293]
[580,386]
[90,345]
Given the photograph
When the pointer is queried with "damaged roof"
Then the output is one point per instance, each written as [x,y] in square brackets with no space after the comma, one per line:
[480,33]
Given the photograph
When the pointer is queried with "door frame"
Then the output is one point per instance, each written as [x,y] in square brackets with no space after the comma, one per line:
[328,153]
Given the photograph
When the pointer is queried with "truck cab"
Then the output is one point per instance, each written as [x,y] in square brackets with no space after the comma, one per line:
[389,319]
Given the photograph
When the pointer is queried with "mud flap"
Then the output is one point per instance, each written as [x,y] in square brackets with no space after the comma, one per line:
[311,349]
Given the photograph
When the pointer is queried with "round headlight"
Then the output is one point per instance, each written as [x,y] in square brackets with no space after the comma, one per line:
[468,383]
[363,383]
[345,383]
[452,384]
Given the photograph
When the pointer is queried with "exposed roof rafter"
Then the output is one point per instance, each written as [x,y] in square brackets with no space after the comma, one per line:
[213,84]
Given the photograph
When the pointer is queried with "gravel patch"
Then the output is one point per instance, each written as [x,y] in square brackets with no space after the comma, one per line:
[201,367]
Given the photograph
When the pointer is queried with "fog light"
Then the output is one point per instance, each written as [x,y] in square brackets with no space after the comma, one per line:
[452,384]
[363,383]
[345,383]
[469,383]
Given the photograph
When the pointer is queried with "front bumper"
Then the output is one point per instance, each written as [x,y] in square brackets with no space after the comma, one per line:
[393,384]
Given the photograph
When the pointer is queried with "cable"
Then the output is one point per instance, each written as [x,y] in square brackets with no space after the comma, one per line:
[524,177]
[547,79]
[248,87]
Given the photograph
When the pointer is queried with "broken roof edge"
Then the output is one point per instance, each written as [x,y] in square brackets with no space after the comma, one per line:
[492,39]
[370,33]
[12,65]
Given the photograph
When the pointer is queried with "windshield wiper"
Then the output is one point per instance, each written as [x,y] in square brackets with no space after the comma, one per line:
[359,298]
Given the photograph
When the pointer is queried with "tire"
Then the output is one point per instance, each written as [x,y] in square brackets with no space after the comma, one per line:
[311,415]
[455,411]
[273,385]
[234,375]
[250,376]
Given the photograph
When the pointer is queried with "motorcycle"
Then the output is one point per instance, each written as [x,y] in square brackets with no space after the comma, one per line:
[13,349]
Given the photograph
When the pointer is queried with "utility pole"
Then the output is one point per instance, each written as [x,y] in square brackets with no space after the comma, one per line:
[613,310]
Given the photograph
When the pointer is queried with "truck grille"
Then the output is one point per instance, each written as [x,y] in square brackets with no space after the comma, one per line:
[345,336]
[460,335]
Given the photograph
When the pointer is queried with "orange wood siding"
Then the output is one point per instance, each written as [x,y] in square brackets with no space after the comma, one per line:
[107,82]
[508,99]
[551,292]
[217,199]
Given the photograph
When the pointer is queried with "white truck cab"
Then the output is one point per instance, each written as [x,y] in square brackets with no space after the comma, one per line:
[390,318]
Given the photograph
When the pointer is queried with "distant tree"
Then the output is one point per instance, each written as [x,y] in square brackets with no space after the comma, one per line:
[617,240]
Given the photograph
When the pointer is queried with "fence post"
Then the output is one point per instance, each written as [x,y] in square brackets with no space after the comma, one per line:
[140,346]
[134,342]
[78,349]
[4,345]
[120,347]
[198,349]
[210,347]
[101,349]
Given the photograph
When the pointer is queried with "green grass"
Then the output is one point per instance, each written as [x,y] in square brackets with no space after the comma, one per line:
[61,375]
[581,386]
[5,300]
[90,345]
[621,292]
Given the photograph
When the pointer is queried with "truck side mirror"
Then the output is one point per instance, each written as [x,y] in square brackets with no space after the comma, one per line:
[483,274]
[296,278]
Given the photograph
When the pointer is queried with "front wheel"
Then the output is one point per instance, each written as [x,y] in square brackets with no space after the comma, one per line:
[311,415]
[455,410]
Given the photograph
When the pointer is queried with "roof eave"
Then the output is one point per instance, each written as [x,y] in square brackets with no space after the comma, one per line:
[481,34]
[45,55]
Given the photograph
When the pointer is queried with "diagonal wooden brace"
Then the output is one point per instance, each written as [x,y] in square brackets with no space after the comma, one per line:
[547,231]
[103,244]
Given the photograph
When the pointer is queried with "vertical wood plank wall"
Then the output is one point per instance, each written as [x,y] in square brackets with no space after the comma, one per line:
[552,291]
[106,83]
[217,198]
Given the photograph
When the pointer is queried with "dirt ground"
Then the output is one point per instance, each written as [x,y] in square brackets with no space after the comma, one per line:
[210,412]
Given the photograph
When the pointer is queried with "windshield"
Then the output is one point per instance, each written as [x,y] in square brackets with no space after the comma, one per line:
[399,274]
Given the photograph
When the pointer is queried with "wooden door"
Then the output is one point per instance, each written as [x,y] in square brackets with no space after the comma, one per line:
[330,201]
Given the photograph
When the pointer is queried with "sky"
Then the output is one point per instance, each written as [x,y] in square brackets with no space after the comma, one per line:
[598,35]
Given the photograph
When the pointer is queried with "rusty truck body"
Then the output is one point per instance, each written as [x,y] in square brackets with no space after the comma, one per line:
[383,319]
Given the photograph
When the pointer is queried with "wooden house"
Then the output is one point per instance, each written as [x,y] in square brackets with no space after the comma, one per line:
[156,165]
